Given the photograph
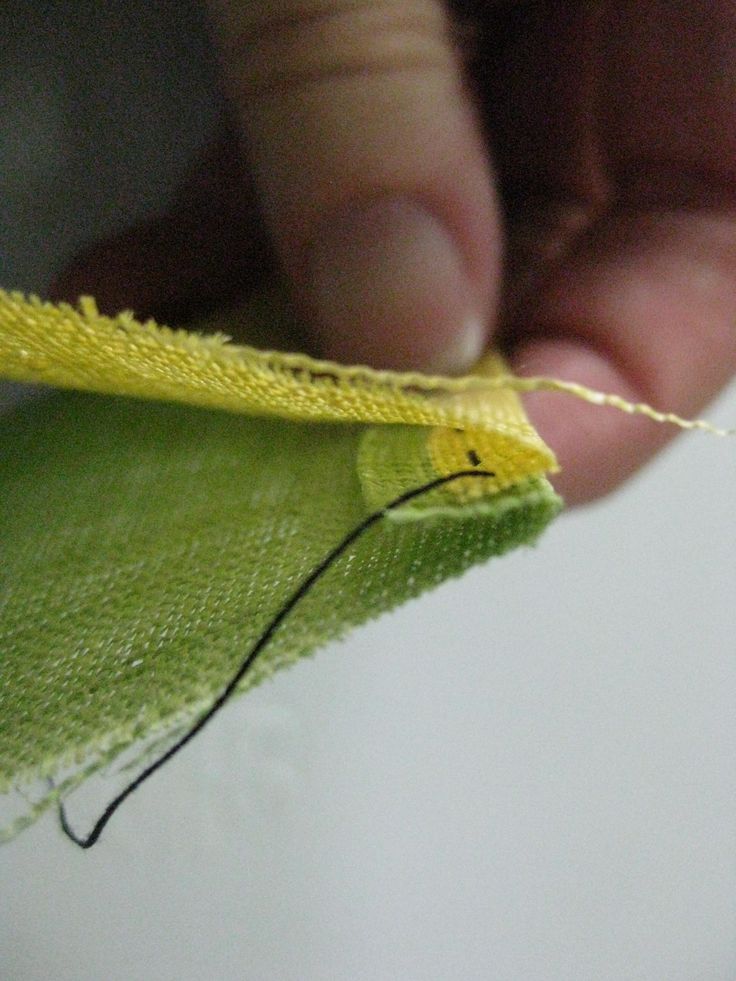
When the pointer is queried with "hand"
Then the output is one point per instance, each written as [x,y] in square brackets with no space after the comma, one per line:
[567,188]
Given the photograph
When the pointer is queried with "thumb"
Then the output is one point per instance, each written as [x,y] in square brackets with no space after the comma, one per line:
[371,169]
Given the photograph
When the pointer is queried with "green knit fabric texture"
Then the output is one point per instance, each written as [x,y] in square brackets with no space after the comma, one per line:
[146,547]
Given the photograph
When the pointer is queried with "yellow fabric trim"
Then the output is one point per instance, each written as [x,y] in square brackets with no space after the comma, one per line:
[80,348]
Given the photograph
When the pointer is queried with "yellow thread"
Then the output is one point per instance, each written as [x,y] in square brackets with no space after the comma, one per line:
[543,384]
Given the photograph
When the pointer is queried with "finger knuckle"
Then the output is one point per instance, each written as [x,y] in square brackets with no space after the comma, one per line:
[320,43]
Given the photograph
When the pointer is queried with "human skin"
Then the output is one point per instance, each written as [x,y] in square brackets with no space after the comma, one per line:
[559,178]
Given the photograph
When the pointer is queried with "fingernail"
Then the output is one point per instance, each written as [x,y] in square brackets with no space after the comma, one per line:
[387,287]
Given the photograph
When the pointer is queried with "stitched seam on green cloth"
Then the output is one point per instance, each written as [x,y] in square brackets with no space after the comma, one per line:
[131,535]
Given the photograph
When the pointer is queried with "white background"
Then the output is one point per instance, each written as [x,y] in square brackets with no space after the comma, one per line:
[526,776]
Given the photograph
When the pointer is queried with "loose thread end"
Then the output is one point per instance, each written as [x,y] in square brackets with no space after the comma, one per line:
[591,395]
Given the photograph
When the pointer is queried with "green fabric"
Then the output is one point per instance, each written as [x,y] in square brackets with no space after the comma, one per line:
[146,546]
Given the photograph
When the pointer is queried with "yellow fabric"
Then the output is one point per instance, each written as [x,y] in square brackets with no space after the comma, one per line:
[82,349]
[59,345]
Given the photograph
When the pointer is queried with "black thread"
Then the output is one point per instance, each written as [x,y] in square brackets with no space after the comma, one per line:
[262,641]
